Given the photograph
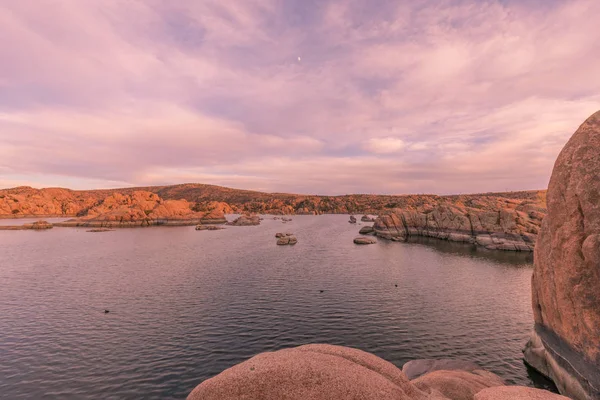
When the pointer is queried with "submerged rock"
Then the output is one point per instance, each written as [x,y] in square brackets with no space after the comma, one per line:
[208,227]
[365,240]
[565,344]
[100,230]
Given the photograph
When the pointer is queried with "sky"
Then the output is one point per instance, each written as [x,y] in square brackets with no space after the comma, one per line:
[303,96]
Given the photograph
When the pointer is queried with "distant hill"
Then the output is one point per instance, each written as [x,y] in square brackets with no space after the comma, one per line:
[27,201]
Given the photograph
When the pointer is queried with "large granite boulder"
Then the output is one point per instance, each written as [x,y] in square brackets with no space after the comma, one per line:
[325,372]
[312,372]
[565,344]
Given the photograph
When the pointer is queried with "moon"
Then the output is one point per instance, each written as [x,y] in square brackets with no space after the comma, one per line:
[299,59]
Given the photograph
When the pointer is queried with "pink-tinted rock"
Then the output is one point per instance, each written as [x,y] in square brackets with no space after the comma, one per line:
[416,368]
[517,393]
[312,372]
[245,220]
[456,384]
[491,222]
[565,344]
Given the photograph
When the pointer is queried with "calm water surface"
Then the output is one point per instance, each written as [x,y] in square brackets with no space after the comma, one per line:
[184,305]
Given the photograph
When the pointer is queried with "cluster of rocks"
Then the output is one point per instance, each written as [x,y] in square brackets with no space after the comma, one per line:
[565,343]
[286,239]
[140,209]
[201,227]
[246,220]
[323,372]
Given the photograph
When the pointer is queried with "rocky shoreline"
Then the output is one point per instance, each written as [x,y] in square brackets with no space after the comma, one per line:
[501,225]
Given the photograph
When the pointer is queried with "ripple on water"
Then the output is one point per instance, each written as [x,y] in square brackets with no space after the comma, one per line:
[184,305]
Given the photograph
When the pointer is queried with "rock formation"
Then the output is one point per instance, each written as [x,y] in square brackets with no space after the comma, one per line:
[208,227]
[287,239]
[366,230]
[141,209]
[565,344]
[324,372]
[56,202]
[416,368]
[493,223]
[365,240]
[36,226]
[245,220]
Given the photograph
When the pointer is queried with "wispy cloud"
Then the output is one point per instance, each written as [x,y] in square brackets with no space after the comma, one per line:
[317,97]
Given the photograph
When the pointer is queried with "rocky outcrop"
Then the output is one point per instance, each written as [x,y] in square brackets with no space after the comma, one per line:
[56,202]
[496,223]
[365,240]
[565,344]
[140,209]
[366,230]
[324,372]
[245,220]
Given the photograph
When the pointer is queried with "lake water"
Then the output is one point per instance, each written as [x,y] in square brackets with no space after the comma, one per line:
[185,304]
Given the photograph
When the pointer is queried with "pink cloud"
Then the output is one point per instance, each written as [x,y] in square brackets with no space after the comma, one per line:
[440,97]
